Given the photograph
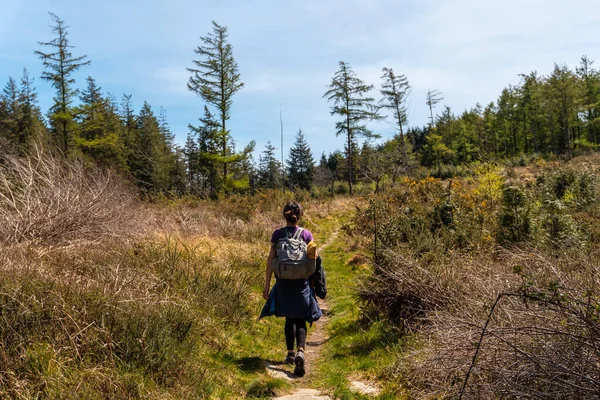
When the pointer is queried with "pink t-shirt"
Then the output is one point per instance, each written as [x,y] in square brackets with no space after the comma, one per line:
[291,230]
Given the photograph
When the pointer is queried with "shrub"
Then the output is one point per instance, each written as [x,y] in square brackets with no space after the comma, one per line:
[44,198]
[514,218]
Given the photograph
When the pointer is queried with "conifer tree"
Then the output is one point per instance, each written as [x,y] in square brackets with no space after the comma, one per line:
[31,124]
[10,113]
[564,97]
[433,97]
[129,126]
[269,168]
[216,78]
[60,65]
[301,164]
[208,151]
[530,102]
[395,90]
[164,158]
[590,82]
[99,131]
[351,102]
[146,148]
[192,163]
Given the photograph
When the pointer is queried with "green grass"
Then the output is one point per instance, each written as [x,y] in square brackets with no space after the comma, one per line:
[173,318]
[357,348]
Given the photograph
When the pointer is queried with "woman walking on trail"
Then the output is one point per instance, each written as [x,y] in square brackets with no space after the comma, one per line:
[292,298]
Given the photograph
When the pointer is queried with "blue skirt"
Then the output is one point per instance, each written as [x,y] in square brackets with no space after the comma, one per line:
[292,298]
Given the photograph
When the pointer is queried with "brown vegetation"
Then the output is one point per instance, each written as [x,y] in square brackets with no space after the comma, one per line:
[497,286]
[45,199]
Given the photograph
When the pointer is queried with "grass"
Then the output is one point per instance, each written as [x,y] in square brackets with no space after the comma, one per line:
[357,348]
[165,306]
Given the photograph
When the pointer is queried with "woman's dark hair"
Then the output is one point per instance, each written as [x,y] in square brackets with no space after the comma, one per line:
[292,212]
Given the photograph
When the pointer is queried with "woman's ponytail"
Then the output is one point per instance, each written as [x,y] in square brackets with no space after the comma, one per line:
[292,212]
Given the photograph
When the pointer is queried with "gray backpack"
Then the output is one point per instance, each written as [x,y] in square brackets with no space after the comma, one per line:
[291,260]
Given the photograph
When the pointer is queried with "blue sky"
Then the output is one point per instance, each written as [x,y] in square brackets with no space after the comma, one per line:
[289,50]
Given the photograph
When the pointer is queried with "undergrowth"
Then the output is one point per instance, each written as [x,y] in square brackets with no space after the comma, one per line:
[509,250]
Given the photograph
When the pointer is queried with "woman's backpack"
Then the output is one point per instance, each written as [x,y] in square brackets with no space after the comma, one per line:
[291,260]
[318,280]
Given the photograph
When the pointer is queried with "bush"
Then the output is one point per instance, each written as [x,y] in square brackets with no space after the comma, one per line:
[440,276]
[514,219]
[44,198]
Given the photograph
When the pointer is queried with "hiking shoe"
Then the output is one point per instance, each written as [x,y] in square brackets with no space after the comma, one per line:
[299,361]
[289,359]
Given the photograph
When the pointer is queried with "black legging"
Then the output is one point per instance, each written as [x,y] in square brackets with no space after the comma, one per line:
[295,328]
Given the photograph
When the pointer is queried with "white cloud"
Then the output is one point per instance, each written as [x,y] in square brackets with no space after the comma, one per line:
[172,79]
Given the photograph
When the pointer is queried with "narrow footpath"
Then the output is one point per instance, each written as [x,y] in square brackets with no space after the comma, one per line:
[317,336]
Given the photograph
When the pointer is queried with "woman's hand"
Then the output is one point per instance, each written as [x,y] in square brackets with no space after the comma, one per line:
[266,293]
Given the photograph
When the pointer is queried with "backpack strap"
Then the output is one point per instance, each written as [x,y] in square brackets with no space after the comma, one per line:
[298,233]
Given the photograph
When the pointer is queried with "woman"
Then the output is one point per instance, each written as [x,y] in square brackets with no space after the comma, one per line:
[291,298]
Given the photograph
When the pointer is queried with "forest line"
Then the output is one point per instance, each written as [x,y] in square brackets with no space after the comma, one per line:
[547,116]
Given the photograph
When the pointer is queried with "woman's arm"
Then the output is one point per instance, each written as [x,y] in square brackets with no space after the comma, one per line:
[268,272]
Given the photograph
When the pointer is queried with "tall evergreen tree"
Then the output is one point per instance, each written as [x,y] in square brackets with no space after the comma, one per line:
[129,126]
[590,82]
[433,97]
[31,125]
[208,157]
[530,101]
[99,131]
[153,160]
[301,165]
[10,113]
[564,95]
[60,64]
[269,168]
[351,102]
[216,78]
[395,90]
[192,163]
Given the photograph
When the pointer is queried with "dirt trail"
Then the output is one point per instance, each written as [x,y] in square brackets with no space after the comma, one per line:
[317,336]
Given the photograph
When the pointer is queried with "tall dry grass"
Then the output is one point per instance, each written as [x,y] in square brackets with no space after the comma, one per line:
[47,199]
[103,296]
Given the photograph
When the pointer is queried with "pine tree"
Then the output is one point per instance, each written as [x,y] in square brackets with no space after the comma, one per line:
[192,163]
[99,133]
[90,114]
[11,112]
[208,156]
[395,90]
[508,121]
[564,98]
[143,163]
[128,132]
[351,102]
[433,97]
[590,81]
[31,124]
[178,172]
[164,156]
[61,64]
[530,95]
[269,168]
[216,79]
[301,165]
